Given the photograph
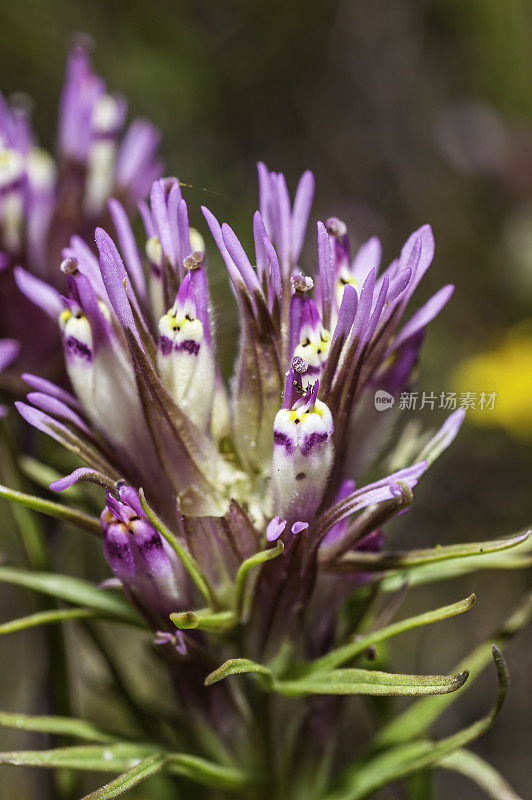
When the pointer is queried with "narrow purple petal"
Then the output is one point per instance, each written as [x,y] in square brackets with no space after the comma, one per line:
[398,285]
[283,219]
[215,229]
[128,244]
[9,349]
[425,238]
[301,213]
[347,312]
[368,257]
[57,408]
[364,307]
[47,387]
[265,198]
[115,279]
[147,219]
[275,280]
[242,262]
[162,223]
[423,316]
[39,292]
[326,272]
[79,475]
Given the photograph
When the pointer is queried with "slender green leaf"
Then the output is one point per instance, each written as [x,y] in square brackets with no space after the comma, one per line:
[73,515]
[421,714]
[370,682]
[380,562]
[344,654]
[246,567]
[73,590]
[481,773]
[123,783]
[58,726]
[206,772]
[362,779]
[519,557]
[205,620]
[238,666]
[46,618]
[96,758]
[187,559]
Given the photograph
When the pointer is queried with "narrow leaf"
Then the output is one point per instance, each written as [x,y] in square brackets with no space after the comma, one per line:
[206,772]
[73,590]
[343,654]
[96,758]
[238,666]
[481,773]
[421,714]
[59,726]
[73,515]
[245,568]
[378,562]
[45,618]
[363,779]
[370,682]
[140,772]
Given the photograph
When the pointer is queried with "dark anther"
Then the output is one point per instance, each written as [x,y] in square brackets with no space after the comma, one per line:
[300,476]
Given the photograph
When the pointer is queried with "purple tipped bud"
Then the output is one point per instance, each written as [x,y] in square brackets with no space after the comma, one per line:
[302,455]
[185,358]
[139,556]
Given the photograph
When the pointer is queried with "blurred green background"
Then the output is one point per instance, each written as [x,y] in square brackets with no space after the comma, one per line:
[407,111]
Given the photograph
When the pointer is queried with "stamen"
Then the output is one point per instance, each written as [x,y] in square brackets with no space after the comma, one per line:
[69,266]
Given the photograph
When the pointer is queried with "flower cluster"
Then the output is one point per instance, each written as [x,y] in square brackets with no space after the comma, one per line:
[266,460]
[44,201]
[234,521]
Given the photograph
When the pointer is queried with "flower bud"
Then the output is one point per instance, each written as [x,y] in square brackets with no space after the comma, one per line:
[302,454]
[184,358]
[140,557]
[313,343]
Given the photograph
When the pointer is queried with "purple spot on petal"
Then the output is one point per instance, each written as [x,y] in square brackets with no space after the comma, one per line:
[312,441]
[165,345]
[76,349]
[188,346]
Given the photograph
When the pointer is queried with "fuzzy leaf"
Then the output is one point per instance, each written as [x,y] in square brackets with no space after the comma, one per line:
[95,758]
[363,779]
[238,666]
[73,590]
[58,726]
[421,714]
[480,772]
[73,515]
[378,562]
[245,568]
[46,618]
[343,654]
[140,772]
[206,772]
[370,682]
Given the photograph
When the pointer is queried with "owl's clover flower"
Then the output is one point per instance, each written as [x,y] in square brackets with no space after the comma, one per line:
[230,469]
[45,200]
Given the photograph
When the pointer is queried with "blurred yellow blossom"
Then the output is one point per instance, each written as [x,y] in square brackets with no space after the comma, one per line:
[506,370]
